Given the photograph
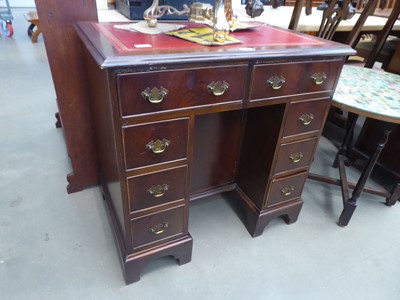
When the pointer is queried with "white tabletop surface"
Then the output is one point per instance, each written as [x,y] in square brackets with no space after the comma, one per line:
[278,17]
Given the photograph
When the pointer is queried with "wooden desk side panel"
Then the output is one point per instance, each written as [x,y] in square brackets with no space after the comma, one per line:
[64,52]
[262,131]
[107,135]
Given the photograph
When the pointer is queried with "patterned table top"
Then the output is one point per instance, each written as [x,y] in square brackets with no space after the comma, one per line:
[369,92]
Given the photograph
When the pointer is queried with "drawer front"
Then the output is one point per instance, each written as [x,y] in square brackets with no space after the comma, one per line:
[287,79]
[157,188]
[155,143]
[175,89]
[157,227]
[305,116]
[285,189]
[295,155]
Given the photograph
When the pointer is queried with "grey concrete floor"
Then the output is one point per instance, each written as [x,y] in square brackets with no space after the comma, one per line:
[59,246]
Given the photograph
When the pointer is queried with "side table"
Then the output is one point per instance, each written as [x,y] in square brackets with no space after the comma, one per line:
[373,94]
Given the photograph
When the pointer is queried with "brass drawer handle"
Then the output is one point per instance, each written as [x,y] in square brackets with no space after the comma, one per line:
[276,82]
[306,119]
[218,88]
[155,95]
[296,157]
[318,78]
[158,190]
[159,228]
[286,191]
[158,146]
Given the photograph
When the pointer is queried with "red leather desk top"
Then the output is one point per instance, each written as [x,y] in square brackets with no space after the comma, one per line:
[124,41]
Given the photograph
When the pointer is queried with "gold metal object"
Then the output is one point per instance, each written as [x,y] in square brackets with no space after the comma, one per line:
[286,191]
[159,228]
[218,88]
[276,82]
[201,13]
[296,157]
[155,95]
[158,190]
[306,119]
[158,146]
[318,78]
[221,24]
[156,11]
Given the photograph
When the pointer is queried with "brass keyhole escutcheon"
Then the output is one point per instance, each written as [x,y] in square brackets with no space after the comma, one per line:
[155,95]
[319,78]
[218,88]
[306,119]
[276,82]
[158,190]
[158,146]
[159,228]
[296,157]
[286,191]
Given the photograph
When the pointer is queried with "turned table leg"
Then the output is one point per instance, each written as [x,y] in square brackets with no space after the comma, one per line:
[346,147]
[350,204]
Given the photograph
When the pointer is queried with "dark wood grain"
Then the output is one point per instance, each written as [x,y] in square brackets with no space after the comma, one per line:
[143,228]
[64,51]
[316,108]
[217,144]
[137,137]
[294,183]
[259,145]
[186,88]
[139,186]
[297,78]
[288,153]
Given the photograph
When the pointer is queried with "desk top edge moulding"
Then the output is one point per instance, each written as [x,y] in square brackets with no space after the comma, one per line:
[176,121]
[114,47]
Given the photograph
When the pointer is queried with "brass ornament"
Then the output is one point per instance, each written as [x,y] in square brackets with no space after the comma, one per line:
[158,190]
[158,146]
[155,95]
[296,157]
[218,88]
[159,228]
[306,119]
[276,82]
[286,191]
[319,78]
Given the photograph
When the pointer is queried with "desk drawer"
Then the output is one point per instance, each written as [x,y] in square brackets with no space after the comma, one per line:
[295,155]
[287,79]
[285,189]
[155,143]
[167,90]
[157,227]
[157,188]
[305,116]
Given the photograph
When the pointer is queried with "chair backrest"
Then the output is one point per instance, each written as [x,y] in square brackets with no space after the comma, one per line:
[332,16]
[383,35]
[294,21]
[381,4]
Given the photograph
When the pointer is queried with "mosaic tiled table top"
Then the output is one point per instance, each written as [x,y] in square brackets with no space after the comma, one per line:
[369,90]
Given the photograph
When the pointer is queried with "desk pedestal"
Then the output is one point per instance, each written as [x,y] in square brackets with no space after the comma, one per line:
[177,122]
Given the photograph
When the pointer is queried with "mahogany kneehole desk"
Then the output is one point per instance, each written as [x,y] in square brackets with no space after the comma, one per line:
[178,121]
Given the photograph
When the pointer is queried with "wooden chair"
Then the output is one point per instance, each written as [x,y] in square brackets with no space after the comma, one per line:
[332,16]
[294,21]
[33,19]
[377,51]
